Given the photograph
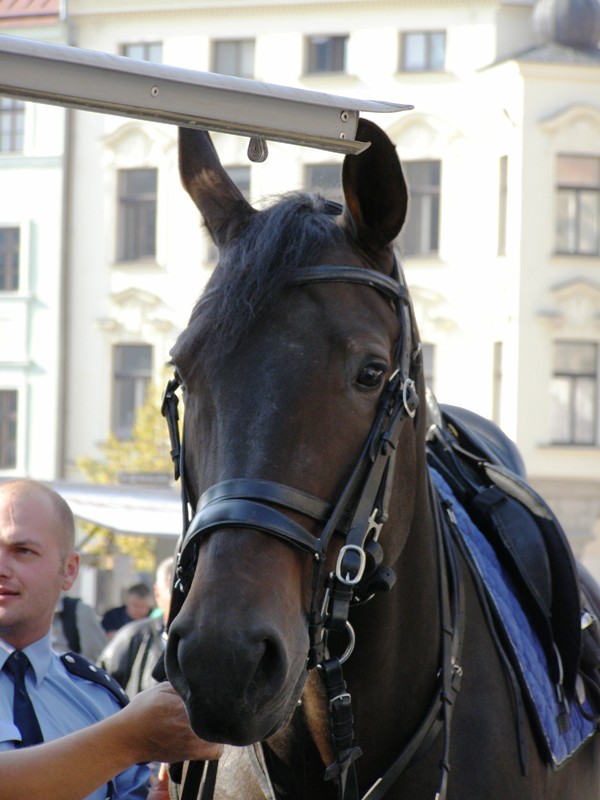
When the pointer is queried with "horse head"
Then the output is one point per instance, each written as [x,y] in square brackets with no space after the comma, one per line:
[284,363]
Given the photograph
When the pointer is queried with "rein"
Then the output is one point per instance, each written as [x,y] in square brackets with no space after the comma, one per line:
[358,515]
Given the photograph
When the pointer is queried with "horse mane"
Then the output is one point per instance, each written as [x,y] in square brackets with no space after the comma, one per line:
[253,269]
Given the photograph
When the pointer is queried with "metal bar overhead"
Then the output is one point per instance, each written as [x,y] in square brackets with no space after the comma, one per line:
[111,84]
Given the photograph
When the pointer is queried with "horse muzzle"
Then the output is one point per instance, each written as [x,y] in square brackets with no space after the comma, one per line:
[238,646]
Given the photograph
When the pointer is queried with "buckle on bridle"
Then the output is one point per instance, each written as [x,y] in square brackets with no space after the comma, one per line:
[410,398]
[347,571]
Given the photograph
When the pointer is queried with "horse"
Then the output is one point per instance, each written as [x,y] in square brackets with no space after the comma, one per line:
[320,608]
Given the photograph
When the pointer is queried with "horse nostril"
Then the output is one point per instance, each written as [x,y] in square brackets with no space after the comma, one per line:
[270,670]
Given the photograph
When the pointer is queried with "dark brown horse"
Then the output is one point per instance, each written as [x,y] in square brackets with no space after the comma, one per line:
[304,431]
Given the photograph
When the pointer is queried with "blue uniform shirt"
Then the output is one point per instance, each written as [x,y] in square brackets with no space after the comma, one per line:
[64,703]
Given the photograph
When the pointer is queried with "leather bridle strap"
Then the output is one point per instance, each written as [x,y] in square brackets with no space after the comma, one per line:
[438,717]
[327,273]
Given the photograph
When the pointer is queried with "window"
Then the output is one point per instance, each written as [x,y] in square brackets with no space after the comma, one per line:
[132,374]
[326,53]
[428,351]
[497,357]
[574,393]
[12,125]
[423,51]
[326,179]
[578,205]
[8,429]
[144,51]
[9,259]
[233,57]
[241,177]
[421,232]
[137,214]
[502,205]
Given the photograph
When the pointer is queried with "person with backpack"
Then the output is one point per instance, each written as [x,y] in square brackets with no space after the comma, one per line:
[76,627]
[130,656]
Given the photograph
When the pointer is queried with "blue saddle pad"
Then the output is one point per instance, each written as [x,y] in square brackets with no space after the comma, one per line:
[527,651]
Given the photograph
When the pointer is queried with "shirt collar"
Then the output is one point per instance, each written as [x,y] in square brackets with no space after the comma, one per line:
[39,654]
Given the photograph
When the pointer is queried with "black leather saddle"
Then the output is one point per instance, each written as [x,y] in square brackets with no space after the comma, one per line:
[485,471]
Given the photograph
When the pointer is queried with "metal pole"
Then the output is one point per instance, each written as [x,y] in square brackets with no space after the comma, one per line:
[94,81]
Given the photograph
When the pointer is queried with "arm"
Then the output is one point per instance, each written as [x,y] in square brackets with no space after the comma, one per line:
[153,727]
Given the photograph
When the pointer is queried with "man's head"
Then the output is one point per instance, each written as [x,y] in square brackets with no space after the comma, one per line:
[37,559]
[163,584]
[139,601]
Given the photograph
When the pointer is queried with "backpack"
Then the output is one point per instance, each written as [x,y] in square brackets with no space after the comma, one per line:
[69,623]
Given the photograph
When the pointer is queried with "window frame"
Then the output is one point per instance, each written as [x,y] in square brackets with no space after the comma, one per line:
[427,63]
[330,185]
[429,358]
[574,381]
[422,222]
[9,428]
[146,48]
[239,57]
[135,381]
[327,50]
[573,223]
[502,204]
[137,218]
[12,134]
[12,269]
[497,379]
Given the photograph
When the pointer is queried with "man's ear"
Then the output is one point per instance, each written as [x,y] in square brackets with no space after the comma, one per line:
[71,570]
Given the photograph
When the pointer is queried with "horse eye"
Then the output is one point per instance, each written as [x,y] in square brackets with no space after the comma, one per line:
[371,375]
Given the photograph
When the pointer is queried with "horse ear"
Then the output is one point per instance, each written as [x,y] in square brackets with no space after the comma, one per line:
[374,190]
[224,208]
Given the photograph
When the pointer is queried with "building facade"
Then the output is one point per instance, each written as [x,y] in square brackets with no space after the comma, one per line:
[32,269]
[502,244]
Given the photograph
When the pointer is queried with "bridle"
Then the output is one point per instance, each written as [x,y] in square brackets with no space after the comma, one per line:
[358,516]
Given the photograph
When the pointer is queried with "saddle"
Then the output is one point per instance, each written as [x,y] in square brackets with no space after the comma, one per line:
[486,473]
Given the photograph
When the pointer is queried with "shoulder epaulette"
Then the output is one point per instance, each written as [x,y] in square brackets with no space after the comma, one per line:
[76,664]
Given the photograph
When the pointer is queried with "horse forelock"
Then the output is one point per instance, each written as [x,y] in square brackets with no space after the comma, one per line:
[254,268]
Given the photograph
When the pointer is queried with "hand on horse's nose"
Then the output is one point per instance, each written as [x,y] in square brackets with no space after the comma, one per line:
[238,685]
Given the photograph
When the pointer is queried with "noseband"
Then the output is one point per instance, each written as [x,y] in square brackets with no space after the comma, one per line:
[358,515]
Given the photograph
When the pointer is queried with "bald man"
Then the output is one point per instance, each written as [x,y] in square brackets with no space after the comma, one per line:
[38,561]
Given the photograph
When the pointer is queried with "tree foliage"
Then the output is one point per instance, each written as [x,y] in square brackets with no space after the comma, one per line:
[147,452]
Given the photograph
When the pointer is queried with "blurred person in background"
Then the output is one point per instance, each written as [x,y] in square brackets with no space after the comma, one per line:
[138,604]
[135,648]
[76,627]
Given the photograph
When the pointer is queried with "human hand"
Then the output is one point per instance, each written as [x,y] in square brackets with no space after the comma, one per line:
[158,728]
[160,786]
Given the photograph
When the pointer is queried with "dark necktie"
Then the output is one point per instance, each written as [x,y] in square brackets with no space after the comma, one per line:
[24,717]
